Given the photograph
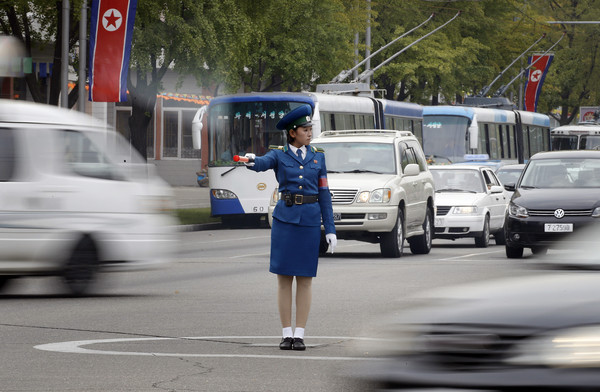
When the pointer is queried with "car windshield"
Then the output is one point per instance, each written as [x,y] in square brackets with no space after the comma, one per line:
[509,176]
[562,173]
[355,157]
[457,181]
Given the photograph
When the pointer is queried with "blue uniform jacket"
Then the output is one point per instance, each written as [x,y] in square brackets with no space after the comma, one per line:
[305,177]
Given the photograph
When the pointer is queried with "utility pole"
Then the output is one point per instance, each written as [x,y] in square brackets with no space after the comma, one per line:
[64,65]
[82,55]
[368,41]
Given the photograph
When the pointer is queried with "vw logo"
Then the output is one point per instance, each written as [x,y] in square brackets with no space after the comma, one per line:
[559,213]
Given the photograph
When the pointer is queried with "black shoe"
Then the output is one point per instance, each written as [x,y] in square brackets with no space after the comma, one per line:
[286,343]
[298,344]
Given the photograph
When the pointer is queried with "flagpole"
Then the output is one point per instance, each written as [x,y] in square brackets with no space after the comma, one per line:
[64,65]
[82,55]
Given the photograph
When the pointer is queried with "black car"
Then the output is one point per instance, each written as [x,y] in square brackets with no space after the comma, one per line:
[557,195]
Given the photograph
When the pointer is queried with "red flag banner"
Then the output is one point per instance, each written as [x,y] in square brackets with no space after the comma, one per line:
[535,79]
[110,47]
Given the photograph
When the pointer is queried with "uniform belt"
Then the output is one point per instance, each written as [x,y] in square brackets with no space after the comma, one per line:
[295,198]
[304,199]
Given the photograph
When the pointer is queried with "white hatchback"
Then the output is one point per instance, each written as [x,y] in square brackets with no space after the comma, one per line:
[75,199]
[471,202]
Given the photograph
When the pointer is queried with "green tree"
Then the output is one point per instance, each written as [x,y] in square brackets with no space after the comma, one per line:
[457,60]
[573,79]
[296,44]
[204,38]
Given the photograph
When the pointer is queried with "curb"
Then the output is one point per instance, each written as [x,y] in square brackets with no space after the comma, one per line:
[200,227]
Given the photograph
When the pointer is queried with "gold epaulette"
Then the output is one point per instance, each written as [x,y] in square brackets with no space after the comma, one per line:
[274,147]
[316,149]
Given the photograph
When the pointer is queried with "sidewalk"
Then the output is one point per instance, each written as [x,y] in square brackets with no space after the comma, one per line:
[192,197]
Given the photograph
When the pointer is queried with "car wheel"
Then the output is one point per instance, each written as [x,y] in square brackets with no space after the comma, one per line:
[500,237]
[392,243]
[514,252]
[82,267]
[421,244]
[484,239]
[539,250]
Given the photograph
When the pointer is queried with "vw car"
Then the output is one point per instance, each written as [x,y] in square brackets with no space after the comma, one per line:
[557,195]
[470,202]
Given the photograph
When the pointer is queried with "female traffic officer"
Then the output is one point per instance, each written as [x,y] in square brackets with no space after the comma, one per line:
[296,231]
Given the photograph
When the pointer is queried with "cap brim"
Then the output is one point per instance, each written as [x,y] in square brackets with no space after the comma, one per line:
[306,124]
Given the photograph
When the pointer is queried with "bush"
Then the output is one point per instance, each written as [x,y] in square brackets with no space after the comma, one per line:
[194,216]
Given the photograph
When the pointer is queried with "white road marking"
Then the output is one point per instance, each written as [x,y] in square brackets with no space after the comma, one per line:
[471,255]
[75,347]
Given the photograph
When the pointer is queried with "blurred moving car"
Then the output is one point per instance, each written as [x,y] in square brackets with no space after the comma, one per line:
[382,190]
[508,174]
[558,194]
[76,199]
[470,202]
[539,331]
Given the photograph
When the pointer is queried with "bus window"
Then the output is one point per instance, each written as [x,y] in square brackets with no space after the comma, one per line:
[564,142]
[493,141]
[589,142]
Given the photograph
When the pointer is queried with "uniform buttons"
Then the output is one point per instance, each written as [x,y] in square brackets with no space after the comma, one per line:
[300,187]
[301,167]
[300,177]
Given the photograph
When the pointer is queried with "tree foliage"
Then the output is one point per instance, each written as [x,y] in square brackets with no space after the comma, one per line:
[292,45]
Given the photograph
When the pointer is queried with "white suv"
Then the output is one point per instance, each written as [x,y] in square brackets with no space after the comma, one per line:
[75,199]
[382,190]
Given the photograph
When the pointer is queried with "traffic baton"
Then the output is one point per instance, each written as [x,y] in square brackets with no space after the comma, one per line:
[237,158]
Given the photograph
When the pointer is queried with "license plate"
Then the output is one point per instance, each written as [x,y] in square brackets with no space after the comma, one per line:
[337,216]
[558,227]
[439,222]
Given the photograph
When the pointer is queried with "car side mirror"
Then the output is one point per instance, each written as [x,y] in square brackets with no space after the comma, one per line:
[511,187]
[496,189]
[412,169]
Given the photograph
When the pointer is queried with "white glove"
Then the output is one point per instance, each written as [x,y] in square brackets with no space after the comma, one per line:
[251,157]
[332,241]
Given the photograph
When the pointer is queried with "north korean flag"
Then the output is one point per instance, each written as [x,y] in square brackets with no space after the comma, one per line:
[535,79]
[110,47]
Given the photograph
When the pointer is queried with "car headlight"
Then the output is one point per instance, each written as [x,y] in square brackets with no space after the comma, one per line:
[382,195]
[573,347]
[223,194]
[464,210]
[596,212]
[518,211]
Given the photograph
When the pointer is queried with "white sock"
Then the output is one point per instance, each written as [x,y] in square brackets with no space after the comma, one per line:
[299,333]
[287,332]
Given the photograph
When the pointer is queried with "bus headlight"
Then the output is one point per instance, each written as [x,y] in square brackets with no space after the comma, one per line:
[223,194]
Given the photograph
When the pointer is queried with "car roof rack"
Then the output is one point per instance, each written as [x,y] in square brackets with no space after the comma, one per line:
[364,132]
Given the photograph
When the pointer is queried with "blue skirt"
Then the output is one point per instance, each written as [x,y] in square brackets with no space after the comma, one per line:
[294,249]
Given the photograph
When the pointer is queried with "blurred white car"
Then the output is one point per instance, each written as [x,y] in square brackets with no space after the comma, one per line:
[76,199]
[471,202]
